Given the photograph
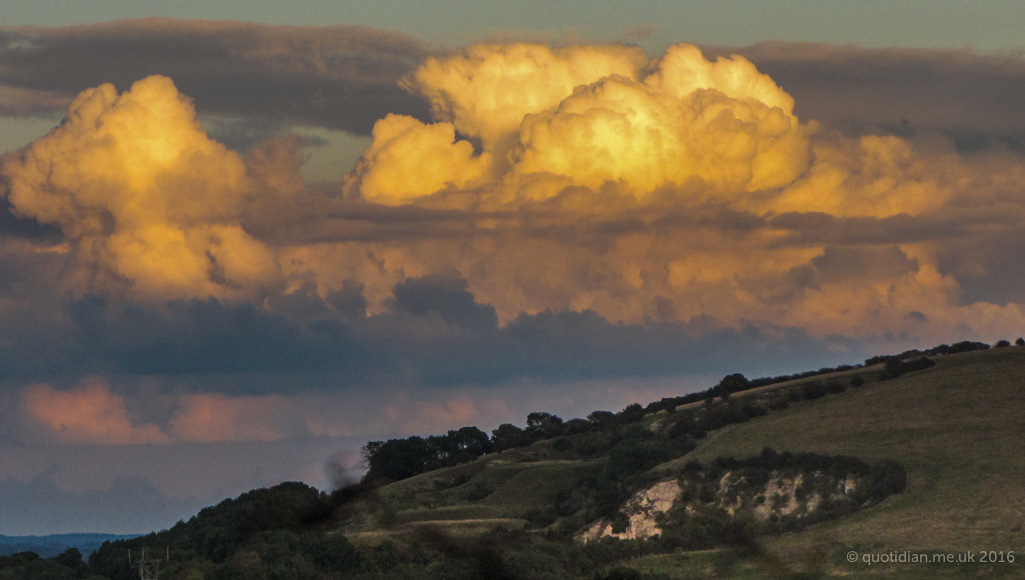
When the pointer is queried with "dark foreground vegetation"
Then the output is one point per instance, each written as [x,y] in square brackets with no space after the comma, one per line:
[292,531]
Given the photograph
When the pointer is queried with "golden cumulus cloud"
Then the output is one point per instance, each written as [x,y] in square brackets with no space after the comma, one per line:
[147,200]
[545,119]
[646,190]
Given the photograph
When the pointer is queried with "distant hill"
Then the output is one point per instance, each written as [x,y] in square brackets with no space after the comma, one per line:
[54,544]
[781,478]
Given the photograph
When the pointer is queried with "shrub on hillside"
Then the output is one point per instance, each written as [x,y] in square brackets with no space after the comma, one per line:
[816,390]
[730,384]
[630,414]
[896,367]
[888,478]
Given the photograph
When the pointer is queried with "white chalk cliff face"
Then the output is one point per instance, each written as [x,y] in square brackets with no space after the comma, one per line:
[796,495]
[643,509]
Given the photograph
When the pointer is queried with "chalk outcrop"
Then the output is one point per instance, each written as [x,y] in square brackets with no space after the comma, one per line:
[643,510]
[761,496]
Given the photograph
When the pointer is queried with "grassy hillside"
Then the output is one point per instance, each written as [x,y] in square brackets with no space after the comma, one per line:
[958,428]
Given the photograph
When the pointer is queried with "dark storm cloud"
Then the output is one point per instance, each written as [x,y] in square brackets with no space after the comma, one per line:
[207,336]
[28,228]
[814,228]
[436,334]
[326,219]
[340,77]
[13,225]
[991,268]
[345,77]
[975,99]
[867,264]
[446,294]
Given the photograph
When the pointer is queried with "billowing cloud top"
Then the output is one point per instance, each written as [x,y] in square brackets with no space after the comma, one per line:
[551,118]
[676,187]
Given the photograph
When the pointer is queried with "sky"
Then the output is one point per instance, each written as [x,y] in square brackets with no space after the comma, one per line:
[238,241]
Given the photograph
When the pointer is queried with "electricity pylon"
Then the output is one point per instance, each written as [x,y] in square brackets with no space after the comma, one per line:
[148,567]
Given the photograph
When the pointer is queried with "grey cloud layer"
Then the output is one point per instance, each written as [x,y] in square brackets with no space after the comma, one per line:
[973,98]
[341,77]
[344,77]
[435,333]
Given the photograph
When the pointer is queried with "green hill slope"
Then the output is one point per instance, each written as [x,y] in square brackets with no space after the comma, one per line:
[957,428]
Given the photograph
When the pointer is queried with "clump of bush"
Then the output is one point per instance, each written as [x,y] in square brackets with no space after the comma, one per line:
[896,367]
[817,390]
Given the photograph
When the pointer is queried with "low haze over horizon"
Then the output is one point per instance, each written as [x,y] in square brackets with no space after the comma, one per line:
[246,248]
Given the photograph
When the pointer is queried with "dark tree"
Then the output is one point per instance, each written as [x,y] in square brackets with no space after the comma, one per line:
[462,445]
[631,413]
[602,419]
[731,384]
[543,425]
[509,436]
[575,426]
[397,458]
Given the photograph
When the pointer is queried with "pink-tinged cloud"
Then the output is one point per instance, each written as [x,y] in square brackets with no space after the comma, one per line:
[459,411]
[215,417]
[453,412]
[88,415]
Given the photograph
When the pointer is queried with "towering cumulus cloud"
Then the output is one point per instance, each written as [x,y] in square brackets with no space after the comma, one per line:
[672,188]
[546,118]
[144,198]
